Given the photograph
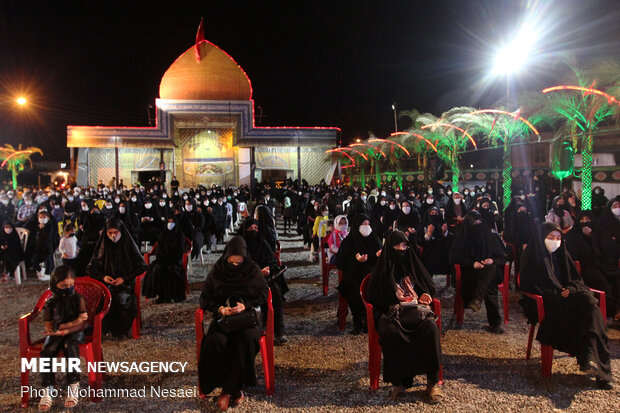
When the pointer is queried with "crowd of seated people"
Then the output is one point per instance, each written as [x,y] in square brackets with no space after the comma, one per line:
[402,237]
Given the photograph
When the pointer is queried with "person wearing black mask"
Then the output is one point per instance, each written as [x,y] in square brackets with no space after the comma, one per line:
[227,359]
[356,258]
[599,201]
[65,319]
[598,255]
[198,225]
[165,278]
[11,249]
[489,215]
[480,254]
[436,241]
[518,229]
[573,321]
[117,262]
[400,277]
[264,256]
[560,215]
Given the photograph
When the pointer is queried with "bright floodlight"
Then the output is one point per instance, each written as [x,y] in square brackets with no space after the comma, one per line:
[22,101]
[514,55]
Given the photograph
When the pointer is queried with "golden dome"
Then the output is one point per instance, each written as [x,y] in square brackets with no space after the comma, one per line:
[205,72]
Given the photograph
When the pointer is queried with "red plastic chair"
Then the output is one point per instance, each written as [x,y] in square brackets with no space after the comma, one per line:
[374,348]
[546,351]
[266,347]
[504,287]
[278,251]
[326,267]
[97,298]
[136,326]
[186,258]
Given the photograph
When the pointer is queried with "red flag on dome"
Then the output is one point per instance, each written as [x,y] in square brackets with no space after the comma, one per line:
[200,36]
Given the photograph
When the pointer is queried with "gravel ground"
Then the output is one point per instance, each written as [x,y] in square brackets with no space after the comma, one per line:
[322,369]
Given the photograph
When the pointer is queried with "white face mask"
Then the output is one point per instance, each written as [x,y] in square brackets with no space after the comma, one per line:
[121,210]
[430,191]
[148,206]
[188,208]
[552,245]
[457,200]
[117,200]
[429,200]
[116,238]
[134,199]
[42,221]
[382,203]
[449,193]
[406,210]
[342,228]
[325,213]
[85,208]
[363,197]
[483,189]
[170,225]
[365,230]
[392,206]
[108,206]
[616,211]
[466,192]
[56,206]
[382,193]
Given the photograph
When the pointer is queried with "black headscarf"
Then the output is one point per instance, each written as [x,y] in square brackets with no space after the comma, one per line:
[266,225]
[368,244]
[557,210]
[116,259]
[547,273]
[258,247]
[226,280]
[66,307]
[382,283]
[12,241]
[171,242]
[475,242]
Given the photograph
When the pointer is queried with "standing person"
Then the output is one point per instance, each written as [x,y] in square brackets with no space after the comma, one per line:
[400,277]
[599,201]
[165,278]
[609,221]
[288,214]
[218,210]
[68,247]
[408,221]
[117,262]
[436,242]
[65,318]
[91,229]
[518,229]
[356,258]
[340,232]
[43,237]
[150,223]
[198,226]
[266,225]
[481,256]
[573,321]
[11,250]
[227,359]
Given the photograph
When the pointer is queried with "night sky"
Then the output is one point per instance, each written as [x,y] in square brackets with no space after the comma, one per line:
[311,63]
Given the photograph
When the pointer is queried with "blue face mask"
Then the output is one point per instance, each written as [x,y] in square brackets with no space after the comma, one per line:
[66,292]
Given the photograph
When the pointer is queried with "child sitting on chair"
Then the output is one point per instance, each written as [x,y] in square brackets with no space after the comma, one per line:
[65,319]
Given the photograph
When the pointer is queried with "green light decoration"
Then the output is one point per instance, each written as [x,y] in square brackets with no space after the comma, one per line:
[14,159]
[449,137]
[583,107]
[501,127]
[562,164]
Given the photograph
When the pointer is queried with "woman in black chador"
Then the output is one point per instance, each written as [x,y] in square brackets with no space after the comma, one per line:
[573,321]
[266,225]
[11,249]
[227,360]
[116,262]
[165,278]
[480,253]
[400,276]
[596,251]
[264,257]
[356,258]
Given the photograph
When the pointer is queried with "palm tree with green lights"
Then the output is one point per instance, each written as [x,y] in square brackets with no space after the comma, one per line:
[14,159]
[449,137]
[500,128]
[587,100]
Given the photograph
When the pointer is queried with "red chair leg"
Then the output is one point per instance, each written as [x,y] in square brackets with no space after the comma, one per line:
[93,377]
[135,327]
[459,309]
[343,310]
[506,300]
[268,366]
[25,395]
[546,359]
[325,280]
[374,359]
[530,339]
